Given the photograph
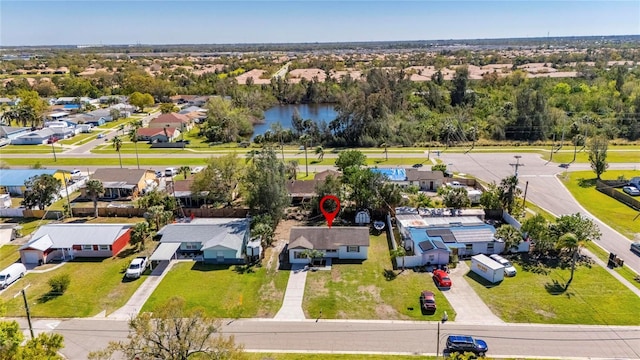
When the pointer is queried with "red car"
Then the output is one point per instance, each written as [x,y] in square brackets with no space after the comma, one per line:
[428,301]
[441,278]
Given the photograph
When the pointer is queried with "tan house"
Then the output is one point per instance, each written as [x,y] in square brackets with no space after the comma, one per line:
[167,134]
[172,120]
[123,183]
[425,179]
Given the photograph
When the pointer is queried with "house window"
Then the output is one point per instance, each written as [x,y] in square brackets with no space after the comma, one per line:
[353,249]
[104,248]
[87,247]
[191,246]
[330,251]
[432,258]
[468,248]
[490,247]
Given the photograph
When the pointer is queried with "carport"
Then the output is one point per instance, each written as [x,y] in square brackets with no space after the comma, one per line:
[165,252]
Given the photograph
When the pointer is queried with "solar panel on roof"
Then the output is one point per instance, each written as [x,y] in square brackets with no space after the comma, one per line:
[445,234]
[440,245]
[426,246]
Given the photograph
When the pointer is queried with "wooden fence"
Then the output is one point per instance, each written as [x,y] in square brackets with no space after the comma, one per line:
[609,187]
[137,212]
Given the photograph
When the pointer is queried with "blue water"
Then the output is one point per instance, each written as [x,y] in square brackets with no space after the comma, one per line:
[283,114]
[71,106]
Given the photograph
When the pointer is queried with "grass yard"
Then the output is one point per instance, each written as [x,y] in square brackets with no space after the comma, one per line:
[370,290]
[8,255]
[29,149]
[306,356]
[80,138]
[616,214]
[594,298]
[105,279]
[223,291]
[613,156]
[29,225]
[603,255]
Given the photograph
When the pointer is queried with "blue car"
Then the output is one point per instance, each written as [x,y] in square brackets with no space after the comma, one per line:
[631,190]
[465,343]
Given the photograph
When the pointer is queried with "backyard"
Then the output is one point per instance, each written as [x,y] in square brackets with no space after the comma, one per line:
[371,290]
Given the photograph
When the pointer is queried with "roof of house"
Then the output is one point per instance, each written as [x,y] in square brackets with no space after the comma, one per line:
[228,233]
[417,175]
[297,188]
[323,174]
[325,238]
[171,118]
[7,130]
[42,133]
[191,109]
[100,113]
[59,236]
[129,176]
[156,131]
[17,177]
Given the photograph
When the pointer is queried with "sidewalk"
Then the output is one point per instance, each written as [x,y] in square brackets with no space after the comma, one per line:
[292,304]
[137,300]
[470,309]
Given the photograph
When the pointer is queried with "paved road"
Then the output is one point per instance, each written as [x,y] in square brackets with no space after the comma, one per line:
[399,337]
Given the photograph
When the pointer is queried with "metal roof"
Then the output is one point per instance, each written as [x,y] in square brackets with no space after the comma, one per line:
[17,177]
[228,233]
[67,235]
[165,251]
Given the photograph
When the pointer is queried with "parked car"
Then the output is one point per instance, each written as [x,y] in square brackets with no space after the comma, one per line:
[52,140]
[11,274]
[170,172]
[631,190]
[635,247]
[509,270]
[137,267]
[441,278]
[465,343]
[75,174]
[197,169]
[428,301]
[159,174]
[100,136]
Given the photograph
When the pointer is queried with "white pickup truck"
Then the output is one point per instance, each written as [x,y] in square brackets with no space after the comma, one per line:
[137,267]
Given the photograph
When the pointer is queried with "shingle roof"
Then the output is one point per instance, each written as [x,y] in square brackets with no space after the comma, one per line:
[324,238]
[227,233]
[156,131]
[297,188]
[417,175]
[323,174]
[17,177]
[67,235]
[129,176]
[171,118]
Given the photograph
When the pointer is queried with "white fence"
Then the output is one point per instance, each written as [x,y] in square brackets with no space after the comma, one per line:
[12,212]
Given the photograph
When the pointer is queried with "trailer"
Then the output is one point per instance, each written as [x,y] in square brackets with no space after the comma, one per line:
[487,268]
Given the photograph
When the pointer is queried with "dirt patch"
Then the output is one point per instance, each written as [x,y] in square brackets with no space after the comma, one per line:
[281,238]
[546,314]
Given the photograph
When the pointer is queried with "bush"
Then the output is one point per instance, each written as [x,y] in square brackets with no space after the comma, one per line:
[59,283]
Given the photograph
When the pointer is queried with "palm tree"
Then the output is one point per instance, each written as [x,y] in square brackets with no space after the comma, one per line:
[320,153]
[398,252]
[94,189]
[277,129]
[184,170]
[116,142]
[508,192]
[570,243]
[133,136]
[292,169]
[139,234]
[305,139]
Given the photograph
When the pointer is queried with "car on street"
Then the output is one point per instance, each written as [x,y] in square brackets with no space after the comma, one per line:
[635,247]
[428,301]
[100,136]
[466,343]
[441,278]
[631,190]
[159,174]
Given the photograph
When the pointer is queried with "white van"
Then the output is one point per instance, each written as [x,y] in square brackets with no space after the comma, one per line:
[11,274]
[170,172]
[509,270]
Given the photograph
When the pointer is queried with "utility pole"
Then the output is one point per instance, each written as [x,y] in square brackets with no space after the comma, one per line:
[524,200]
[517,164]
[26,306]
[54,151]
[553,144]
[66,190]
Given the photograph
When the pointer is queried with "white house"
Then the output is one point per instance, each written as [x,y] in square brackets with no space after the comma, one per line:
[343,243]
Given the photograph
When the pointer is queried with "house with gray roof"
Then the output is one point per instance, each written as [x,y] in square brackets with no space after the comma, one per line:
[217,241]
[10,132]
[37,137]
[335,243]
[69,241]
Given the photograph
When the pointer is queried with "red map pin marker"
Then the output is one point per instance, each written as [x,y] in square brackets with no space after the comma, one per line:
[329,215]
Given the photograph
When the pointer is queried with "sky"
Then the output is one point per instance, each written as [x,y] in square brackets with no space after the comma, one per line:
[92,22]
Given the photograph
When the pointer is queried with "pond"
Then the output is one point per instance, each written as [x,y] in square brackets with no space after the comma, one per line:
[283,114]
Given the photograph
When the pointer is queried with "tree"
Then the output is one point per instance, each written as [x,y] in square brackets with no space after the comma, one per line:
[510,235]
[330,186]
[363,186]
[59,283]
[292,169]
[349,159]
[459,93]
[13,347]
[116,142]
[94,189]
[456,198]
[509,192]
[265,185]
[139,234]
[570,243]
[598,155]
[172,332]
[439,167]
[159,216]
[312,254]
[140,100]
[184,170]
[115,114]
[421,200]
[490,198]
[167,108]
[41,191]
[320,152]
[262,226]
[133,136]
[536,229]
[398,252]
[218,181]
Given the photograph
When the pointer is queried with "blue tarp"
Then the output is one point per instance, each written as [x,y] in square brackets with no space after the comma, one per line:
[393,174]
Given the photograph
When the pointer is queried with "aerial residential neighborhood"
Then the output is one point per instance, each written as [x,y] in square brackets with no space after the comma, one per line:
[327,188]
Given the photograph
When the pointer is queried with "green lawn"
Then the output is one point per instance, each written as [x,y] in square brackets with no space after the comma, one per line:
[223,290]
[362,291]
[603,255]
[614,213]
[29,225]
[79,139]
[8,255]
[29,149]
[618,156]
[115,124]
[108,290]
[594,298]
